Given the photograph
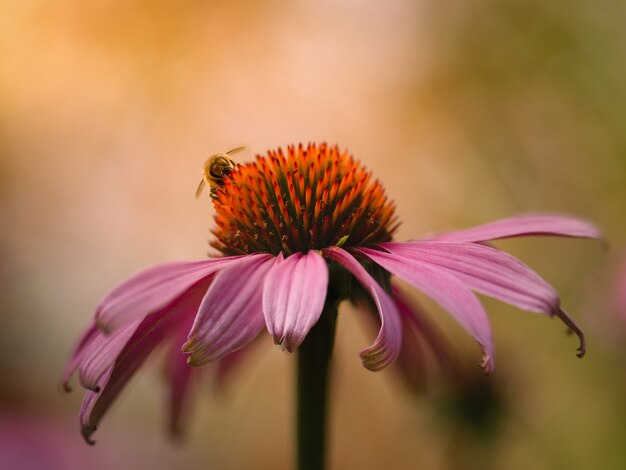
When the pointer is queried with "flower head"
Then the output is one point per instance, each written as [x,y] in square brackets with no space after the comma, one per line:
[309,199]
[291,228]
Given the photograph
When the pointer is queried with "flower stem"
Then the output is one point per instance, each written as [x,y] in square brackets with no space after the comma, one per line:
[313,378]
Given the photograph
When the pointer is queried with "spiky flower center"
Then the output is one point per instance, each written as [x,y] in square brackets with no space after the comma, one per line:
[310,198]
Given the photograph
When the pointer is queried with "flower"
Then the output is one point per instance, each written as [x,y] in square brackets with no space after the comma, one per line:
[286,225]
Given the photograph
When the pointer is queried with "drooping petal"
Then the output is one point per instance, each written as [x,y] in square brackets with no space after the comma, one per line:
[103,349]
[82,345]
[102,353]
[293,297]
[386,347]
[230,315]
[96,404]
[445,289]
[486,270]
[151,289]
[90,415]
[575,329]
[523,225]
[420,334]
[148,335]
[491,272]
[179,377]
[411,360]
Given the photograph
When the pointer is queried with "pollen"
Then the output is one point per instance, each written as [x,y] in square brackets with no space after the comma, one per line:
[308,198]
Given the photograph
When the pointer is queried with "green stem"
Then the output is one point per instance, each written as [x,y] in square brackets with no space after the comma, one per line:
[313,378]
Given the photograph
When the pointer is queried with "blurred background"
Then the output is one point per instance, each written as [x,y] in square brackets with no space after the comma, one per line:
[467,112]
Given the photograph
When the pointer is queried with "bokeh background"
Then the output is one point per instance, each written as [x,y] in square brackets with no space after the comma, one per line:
[467,111]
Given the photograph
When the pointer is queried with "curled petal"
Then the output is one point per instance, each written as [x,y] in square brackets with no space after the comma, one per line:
[78,354]
[386,347]
[491,272]
[90,414]
[486,270]
[230,315]
[411,361]
[96,404]
[523,225]
[147,335]
[293,297]
[573,328]
[97,351]
[102,353]
[151,289]
[445,289]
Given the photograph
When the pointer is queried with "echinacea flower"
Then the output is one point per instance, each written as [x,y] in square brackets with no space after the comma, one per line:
[296,231]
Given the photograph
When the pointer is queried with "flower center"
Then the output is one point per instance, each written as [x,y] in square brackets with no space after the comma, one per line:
[309,199]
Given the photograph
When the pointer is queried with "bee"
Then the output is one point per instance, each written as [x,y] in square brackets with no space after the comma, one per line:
[216,168]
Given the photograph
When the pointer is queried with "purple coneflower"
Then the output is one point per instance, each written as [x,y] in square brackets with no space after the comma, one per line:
[296,234]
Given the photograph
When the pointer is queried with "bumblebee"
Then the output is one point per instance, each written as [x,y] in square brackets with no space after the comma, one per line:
[216,168]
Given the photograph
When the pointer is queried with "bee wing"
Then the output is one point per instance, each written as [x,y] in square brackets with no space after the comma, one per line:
[200,188]
[235,150]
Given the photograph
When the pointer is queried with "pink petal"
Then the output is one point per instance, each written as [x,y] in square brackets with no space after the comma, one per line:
[92,408]
[151,289]
[523,225]
[148,334]
[386,347]
[445,289]
[293,297]
[230,315]
[179,377]
[102,353]
[486,270]
[491,272]
[419,333]
[104,349]
[85,340]
[96,404]
[411,360]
